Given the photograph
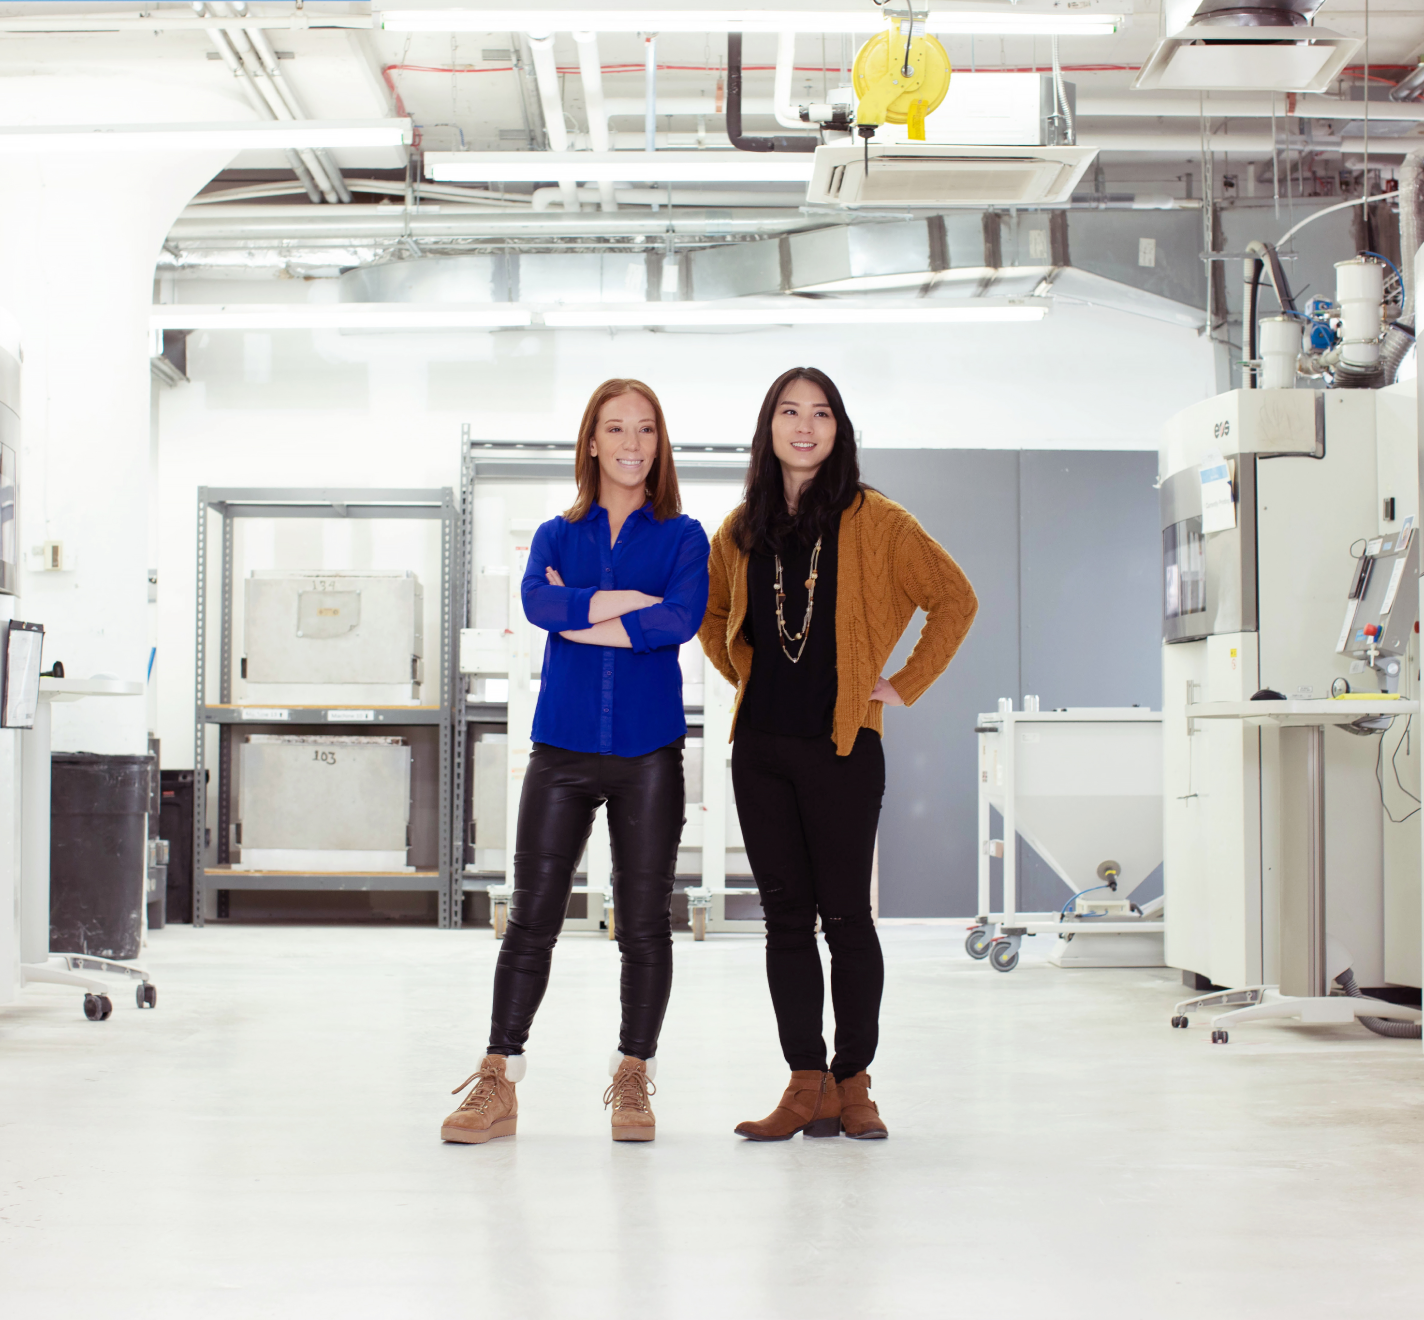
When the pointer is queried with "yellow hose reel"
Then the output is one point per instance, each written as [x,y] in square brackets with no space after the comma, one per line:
[885,93]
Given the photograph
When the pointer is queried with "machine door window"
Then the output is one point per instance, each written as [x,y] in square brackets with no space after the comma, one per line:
[1184,569]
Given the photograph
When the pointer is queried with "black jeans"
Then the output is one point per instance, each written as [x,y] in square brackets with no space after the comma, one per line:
[562,791]
[809,819]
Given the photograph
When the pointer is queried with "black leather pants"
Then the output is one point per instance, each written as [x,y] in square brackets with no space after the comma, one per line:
[562,791]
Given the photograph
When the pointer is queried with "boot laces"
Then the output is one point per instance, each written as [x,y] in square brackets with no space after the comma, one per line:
[483,1092]
[630,1089]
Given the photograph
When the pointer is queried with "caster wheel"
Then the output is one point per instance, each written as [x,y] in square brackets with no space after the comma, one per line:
[1224,1038]
[92,1010]
[977,942]
[1003,957]
[146,995]
[1219,1038]
[106,1008]
[1182,1022]
[699,923]
[1176,1021]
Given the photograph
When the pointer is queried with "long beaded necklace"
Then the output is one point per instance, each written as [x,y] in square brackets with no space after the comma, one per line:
[810,605]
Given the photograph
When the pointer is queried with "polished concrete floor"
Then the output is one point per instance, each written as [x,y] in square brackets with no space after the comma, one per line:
[264,1144]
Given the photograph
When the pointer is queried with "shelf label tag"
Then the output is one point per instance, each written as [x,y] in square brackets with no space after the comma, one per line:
[265,713]
[343,716]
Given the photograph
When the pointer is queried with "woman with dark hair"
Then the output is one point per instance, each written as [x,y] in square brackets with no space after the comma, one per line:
[619,582]
[814,577]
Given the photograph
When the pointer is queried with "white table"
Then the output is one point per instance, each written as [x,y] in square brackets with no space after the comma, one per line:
[1305,979]
[37,963]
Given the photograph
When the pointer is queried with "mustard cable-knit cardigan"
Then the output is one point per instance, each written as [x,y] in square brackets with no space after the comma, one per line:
[887,565]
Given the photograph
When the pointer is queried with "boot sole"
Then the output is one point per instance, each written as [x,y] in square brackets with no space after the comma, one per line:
[465,1137]
[822,1127]
[634,1134]
[875,1134]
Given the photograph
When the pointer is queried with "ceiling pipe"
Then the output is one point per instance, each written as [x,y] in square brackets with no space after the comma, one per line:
[273,69]
[546,76]
[271,93]
[787,114]
[591,74]
[222,43]
[423,192]
[734,110]
[237,224]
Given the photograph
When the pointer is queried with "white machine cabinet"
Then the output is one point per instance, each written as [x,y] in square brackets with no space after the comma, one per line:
[1083,788]
[333,627]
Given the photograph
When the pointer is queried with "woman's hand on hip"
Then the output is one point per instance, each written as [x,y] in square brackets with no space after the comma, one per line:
[883,692]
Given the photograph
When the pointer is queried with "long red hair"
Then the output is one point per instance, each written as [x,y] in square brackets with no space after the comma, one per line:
[661,485]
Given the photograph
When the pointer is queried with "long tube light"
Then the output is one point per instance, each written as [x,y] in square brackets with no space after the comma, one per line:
[53,139]
[865,20]
[447,316]
[793,311]
[337,316]
[619,166]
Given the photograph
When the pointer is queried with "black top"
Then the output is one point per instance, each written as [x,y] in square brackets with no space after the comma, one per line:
[797,700]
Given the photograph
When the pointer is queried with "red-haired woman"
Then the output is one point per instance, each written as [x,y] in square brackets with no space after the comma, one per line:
[619,582]
[814,577]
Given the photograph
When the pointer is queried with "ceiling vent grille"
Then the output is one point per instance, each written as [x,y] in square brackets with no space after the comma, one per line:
[913,174]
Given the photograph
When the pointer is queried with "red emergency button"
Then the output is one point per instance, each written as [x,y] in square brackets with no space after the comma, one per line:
[1372,630]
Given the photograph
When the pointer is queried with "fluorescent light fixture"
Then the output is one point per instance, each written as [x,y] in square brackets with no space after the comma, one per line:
[1044,23]
[496,316]
[619,166]
[337,316]
[794,311]
[55,139]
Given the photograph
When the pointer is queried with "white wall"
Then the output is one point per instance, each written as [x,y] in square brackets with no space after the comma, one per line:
[317,408]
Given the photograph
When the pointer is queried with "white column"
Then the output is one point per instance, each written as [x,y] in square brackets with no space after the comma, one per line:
[79,236]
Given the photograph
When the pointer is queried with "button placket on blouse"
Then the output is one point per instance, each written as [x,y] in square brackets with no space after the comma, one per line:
[605,558]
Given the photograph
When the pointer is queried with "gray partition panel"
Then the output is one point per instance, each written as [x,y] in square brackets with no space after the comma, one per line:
[1062,550]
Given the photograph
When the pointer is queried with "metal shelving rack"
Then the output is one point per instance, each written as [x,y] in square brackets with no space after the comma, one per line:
[345,502]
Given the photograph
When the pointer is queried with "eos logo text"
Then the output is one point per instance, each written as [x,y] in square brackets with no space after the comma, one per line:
[1221,430]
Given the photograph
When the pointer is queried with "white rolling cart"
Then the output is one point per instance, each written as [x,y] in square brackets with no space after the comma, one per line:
[1083,788]
[1308,963]
[37,964]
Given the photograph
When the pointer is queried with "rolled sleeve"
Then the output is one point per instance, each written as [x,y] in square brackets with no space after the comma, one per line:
[555,609]
[634,628]
[679,616]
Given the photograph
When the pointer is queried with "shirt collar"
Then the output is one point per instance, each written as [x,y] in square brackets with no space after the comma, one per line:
[646,509]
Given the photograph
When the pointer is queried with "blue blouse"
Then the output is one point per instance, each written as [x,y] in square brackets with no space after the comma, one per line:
[610,699]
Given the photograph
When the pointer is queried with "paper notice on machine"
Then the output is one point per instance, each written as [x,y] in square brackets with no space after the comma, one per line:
[1217,496]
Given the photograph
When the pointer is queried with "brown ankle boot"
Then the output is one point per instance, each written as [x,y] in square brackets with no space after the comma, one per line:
[811,1105]
[632,1115]
[490,1110]
[860,1115]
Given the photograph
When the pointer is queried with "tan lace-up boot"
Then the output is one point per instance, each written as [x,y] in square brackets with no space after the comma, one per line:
[491,1109]
[628,1094]
[811,1104]
[860,1115]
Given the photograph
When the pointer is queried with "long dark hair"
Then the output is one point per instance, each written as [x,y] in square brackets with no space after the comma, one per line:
[662,480]
[763,523]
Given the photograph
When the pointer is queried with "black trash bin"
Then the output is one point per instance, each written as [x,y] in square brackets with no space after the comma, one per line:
[98,868]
